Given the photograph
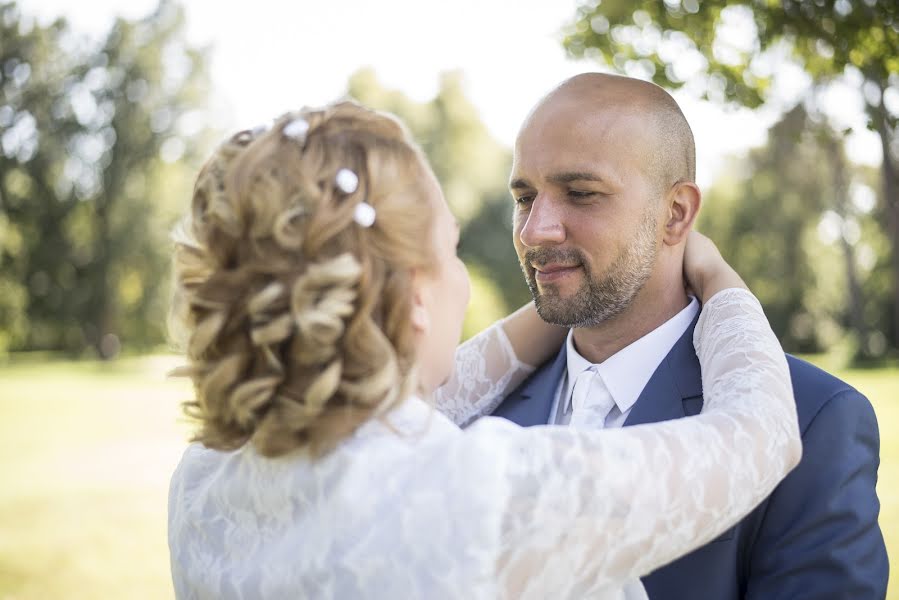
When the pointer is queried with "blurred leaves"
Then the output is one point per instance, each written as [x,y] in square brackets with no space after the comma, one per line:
[730,49]
[733,52]
[473,170]
[95,137]
[813,252]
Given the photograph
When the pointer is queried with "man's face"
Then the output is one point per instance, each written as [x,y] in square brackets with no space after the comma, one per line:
[587,216]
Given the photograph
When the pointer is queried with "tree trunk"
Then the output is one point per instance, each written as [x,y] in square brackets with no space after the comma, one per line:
[855,298]
[99,268]
[890,181]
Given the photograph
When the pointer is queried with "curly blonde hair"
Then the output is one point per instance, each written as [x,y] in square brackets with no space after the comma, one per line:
[296,318]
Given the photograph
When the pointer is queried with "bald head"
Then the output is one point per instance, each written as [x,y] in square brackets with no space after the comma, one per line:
[602,178]
[660,133]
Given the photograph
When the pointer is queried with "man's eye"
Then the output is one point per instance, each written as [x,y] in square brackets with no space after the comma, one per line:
[577,194]
[524,199]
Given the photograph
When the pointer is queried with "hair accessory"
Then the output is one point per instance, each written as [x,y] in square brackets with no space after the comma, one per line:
[347,181]
[296,130]
[243,137]
[364,214]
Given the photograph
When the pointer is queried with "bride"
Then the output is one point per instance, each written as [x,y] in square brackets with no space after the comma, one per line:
[322,300]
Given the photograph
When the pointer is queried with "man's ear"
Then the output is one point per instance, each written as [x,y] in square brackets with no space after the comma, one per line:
[421,321]
[683,202]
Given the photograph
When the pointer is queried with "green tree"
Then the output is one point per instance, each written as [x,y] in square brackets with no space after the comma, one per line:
[473,170]
[728,51]
[92,138]
[761,218]
[784,216]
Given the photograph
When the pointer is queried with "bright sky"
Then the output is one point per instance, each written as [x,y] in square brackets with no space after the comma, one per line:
[270,56]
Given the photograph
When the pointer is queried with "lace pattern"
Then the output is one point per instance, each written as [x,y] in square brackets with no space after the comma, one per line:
[486,368]
[417,508]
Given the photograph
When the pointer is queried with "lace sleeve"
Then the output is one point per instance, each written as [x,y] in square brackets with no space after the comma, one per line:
[485,370]
[584,510]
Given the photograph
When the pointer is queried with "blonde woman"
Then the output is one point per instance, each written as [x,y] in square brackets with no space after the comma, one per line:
[322,300]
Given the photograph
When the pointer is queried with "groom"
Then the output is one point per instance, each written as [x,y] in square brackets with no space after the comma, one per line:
[603,183]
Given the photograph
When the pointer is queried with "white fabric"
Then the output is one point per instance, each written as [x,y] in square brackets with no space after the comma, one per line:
[591,401]
[485,369]
[626,372]
[415,507]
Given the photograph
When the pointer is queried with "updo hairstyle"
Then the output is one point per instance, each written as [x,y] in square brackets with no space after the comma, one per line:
[296,317]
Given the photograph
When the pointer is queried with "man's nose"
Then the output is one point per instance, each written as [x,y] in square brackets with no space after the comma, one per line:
[544,225]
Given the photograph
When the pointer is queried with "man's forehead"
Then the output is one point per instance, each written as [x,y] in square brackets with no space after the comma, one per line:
[583,137]
[583,115]
[565,175]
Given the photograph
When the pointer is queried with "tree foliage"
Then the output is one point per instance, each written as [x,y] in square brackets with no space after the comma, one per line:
[473,170]
[93,135]
[731,52]
[730,42]
[784,217]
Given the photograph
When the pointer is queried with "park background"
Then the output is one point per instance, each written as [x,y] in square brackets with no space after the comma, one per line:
[106,112]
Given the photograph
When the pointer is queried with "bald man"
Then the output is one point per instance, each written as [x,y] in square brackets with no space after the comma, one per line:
[603,181]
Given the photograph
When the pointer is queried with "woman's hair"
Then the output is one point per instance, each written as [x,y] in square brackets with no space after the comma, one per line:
[296,315]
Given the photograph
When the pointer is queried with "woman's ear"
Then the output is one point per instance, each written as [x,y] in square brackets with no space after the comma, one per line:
[421,320]
[683,202]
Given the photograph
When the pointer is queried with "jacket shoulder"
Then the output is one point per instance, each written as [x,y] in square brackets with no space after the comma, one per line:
[814,388]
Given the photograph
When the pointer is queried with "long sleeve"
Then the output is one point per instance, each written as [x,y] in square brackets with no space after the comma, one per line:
[585,511]
[410,506]
[485,370]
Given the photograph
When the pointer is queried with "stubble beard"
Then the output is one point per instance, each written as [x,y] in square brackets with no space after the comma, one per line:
[599,299]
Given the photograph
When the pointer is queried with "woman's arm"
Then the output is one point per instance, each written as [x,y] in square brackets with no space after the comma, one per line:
[608,506]
[533,340]
[494,362]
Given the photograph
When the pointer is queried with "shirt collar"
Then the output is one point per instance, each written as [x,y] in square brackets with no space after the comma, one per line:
[627,372]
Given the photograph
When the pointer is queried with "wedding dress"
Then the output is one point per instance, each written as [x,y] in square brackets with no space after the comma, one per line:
[415,507]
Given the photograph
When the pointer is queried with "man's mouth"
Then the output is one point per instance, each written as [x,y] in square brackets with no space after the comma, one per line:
[552,273]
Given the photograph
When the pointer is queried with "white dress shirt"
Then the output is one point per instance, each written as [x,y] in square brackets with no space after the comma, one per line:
[626,372]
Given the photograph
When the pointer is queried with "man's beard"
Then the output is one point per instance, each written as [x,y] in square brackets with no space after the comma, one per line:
[599,299]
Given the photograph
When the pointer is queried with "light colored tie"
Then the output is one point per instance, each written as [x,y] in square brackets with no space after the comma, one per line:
[591,401]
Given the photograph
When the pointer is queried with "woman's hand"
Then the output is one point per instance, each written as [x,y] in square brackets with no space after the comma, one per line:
[705,270]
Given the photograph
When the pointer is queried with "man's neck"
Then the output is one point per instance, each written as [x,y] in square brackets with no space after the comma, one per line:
[647,312]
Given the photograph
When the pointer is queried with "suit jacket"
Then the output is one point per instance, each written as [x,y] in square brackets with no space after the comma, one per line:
[816,536]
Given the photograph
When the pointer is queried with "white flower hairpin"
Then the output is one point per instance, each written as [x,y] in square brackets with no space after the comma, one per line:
[364,214]
[296,130]
[243,137]
[348,182]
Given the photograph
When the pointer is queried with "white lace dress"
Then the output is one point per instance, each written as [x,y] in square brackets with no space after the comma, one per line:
[424,509]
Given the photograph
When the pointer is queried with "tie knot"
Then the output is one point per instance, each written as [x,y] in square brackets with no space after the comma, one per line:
[581,389]
[591,400]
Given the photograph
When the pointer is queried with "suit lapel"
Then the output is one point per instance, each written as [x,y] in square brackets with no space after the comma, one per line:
[675,389]
[531,403]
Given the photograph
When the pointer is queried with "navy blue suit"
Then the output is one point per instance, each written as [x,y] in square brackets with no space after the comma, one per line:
[816,536]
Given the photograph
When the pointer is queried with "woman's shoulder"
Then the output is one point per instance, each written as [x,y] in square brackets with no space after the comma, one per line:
[411,425]
[413,448]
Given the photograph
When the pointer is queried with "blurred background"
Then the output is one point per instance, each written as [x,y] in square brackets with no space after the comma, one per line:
[107,111]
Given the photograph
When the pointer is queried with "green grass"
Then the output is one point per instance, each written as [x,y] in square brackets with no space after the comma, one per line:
[86,451]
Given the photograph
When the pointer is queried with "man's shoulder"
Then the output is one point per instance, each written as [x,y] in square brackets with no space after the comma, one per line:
[531,402]
[551,371]
[815,388]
